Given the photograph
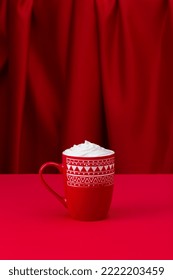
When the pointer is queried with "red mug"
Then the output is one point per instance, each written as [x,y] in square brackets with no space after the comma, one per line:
[88,185]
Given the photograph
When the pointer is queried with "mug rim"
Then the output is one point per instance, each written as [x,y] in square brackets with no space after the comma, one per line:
[90,157]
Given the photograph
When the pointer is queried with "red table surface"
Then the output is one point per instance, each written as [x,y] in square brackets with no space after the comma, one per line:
[33,225]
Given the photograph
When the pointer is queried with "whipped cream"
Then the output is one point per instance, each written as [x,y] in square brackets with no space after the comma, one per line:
[87,149]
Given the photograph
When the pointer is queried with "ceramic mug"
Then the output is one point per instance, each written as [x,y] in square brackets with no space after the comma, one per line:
[88,185]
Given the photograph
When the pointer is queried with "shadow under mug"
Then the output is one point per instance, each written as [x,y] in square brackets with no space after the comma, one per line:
[88,185]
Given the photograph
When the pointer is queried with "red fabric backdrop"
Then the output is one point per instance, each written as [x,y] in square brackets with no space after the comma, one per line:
[100,70]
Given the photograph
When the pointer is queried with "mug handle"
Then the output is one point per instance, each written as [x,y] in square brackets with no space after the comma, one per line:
[60,169]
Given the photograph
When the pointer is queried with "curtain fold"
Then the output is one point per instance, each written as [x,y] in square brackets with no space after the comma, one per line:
[92,70]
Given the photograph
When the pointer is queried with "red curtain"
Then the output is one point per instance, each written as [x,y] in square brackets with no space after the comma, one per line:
[100,70]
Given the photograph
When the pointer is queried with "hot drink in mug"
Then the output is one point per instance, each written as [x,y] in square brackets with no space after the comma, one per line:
[88,172]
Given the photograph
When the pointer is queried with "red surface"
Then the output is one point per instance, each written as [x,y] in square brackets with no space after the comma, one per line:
[34,225]
[99,70]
